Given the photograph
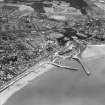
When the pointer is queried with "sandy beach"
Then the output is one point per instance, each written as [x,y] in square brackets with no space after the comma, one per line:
[35,71]
[62,87]
[91,53]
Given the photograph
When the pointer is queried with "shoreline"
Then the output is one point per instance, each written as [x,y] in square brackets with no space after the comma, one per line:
[22,82]
[89,54]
